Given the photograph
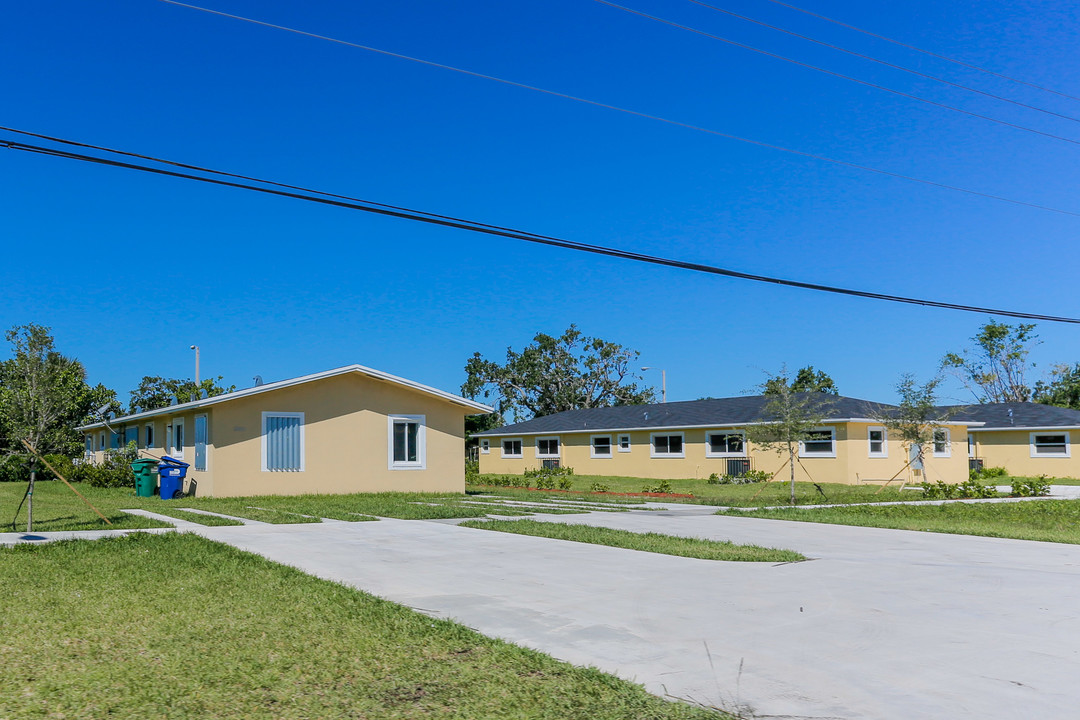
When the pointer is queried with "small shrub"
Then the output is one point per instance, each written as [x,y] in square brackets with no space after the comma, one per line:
[975,489]
[940,490]
[565,483]
[986,473]
[755,476]
[1030,487]
[547,478]
[545,482]
[661,487]
[472,472]
[599,487]
[714,479]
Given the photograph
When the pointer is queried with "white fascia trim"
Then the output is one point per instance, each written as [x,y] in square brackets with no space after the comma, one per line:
[1030,428]
[1068,445]
[479,408]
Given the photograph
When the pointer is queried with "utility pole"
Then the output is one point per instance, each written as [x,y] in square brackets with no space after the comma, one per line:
[196,349]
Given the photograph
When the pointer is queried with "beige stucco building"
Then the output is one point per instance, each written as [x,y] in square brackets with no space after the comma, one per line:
[1027,439]
[695,439]
[352,429]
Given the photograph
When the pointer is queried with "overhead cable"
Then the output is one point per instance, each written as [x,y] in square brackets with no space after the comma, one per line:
[506,232]
[879,61]
[635,113]
[833,73]
[939,56]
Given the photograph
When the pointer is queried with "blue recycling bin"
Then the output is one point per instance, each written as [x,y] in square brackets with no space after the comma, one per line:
[172,473]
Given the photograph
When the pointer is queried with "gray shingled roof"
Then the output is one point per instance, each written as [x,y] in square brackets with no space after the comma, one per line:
[689,413]
[1036,415]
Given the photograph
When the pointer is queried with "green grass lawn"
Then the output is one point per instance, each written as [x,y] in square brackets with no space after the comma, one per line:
[1047,520]
[773,493]
[647,542]
[176,626]
[57,508]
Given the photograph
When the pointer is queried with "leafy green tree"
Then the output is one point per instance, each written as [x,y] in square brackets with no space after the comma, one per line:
[807,380]
[157,392]
[996,369]
[1062,390]
[917,419]
[555,374]
[788,418]
[44,394]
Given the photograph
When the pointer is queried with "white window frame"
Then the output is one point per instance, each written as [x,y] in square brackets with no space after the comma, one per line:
[708,444]
[303,445]
[592,447]
[884,452]
[652,445]
[421,443]
[557,439]
[947,452]
[512,456]
[971,445]
[153,435]
[814,454]
[1068,445]
[485,446]
[174,451]
[626,437]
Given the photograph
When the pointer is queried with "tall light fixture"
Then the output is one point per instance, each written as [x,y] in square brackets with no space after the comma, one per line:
[663,380]
[196,349]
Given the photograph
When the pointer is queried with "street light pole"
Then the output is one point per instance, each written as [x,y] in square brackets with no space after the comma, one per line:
[196,349]
[663,381]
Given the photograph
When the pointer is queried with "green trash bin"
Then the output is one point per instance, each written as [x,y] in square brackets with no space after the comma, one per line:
[145,480]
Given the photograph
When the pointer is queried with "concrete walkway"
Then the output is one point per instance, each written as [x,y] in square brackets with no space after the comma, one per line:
[881,624]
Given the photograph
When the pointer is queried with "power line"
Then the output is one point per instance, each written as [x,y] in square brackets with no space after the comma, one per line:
[506,232]
[879,61]
[635,113]
[921,50]
[833,73]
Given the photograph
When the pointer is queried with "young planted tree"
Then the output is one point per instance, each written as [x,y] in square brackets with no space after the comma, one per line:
[917,420]
[554,374]
[788,419]
[43,397]
[996,369]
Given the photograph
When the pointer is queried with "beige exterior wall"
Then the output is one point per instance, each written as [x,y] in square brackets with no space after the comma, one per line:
[1011,449]
[852,463]
[346,434]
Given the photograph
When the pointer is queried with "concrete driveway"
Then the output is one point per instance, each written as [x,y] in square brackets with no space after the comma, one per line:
[880,624]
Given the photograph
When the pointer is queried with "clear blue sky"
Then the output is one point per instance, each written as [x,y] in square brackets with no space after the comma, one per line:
[129,270]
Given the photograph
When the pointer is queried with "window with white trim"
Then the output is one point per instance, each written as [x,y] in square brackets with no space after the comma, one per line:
[725,444]
[624,443]
[877,442]
[283,442]
[819,443]
[668,445]
[176,439]
[547,447]
[942,443]
[485,446]
[601,446]
[511,448]
[1050,445]
[406,449]
[971,446]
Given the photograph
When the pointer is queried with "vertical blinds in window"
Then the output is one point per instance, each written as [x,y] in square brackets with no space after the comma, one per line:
[282,443]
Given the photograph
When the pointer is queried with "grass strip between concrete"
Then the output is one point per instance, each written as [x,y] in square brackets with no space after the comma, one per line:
[181,627]
[1045,520]
[646,542]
